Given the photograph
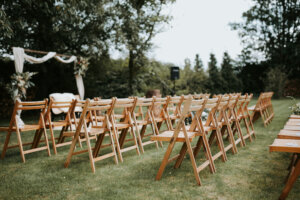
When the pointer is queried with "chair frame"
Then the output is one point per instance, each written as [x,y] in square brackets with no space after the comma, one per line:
[40,128]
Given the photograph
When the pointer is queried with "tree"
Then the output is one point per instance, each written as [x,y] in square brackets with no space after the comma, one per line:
[73,27]
[230,80]
[214,81]
[68,27]
[5,28]
[198,63]
[137,23]
[270,29]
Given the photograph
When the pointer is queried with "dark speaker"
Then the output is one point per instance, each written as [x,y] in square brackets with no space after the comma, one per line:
[175,73]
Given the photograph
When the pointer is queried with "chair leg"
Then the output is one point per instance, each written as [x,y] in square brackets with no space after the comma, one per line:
[208,153]
[53,139]
[193,161]
[113,147]
[139,137]
[87,139]
[165,160]
[291,181]
[20,145]
[117,144]
[181,156]
[5,144]
[135,141]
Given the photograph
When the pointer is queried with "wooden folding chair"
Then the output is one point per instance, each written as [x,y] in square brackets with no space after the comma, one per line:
[159,113]
[173,109]
[99,129]
[184,135]
[39,128]
[213,127]
[263,108]
[210,126]
[142,117]
[256,110]
[64,124]
[234,107]
[245,115]
[222,120]
[123,123]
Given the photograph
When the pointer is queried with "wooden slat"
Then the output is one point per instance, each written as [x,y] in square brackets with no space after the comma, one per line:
[285,145]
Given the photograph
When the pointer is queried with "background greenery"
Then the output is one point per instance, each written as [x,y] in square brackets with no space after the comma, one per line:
[269,32]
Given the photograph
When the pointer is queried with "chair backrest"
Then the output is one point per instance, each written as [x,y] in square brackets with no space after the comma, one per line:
[127,105]
[105,106]
[197,106]
[248,99]
[66,106]
[143,108]
[27,106]
[211,105]
[159,106]
[240,104]
[174,105]
[232,104]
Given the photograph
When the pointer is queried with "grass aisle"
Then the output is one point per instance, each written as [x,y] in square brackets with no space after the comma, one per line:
[253,173]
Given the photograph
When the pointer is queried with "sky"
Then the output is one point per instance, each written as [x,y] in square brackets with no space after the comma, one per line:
[199,26]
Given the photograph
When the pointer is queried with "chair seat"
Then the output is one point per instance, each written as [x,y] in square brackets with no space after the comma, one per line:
[167,136]
[58,123]
[251,108]
[142,122]
[97,131]
[119,116]
[295,117]
[293,123]
[122,125]
[289,134]
[159,119]
[294,128]
[26,127]
[174,116]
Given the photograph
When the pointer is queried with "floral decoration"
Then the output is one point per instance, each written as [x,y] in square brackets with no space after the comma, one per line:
[82,66]
[20,82]
[295,107]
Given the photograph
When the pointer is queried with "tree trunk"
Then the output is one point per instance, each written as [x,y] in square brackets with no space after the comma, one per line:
[131,71]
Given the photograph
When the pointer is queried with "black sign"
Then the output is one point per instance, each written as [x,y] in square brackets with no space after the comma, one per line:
[175,73]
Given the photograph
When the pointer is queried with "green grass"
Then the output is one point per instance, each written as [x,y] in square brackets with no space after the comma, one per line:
[253,173]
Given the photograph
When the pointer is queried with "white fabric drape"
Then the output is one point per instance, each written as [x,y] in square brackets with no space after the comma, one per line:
[80,86]
[39,60]
[71,59]
[20,56]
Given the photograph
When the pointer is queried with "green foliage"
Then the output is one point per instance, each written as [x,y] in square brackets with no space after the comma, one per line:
[214,81]
[230,81]
[275,81]
[136,24]
[295,108]
[73,27]
[271,29]
[198,64]
[5,29]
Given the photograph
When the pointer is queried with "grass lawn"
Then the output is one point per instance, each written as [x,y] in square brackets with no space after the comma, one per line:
[253,173]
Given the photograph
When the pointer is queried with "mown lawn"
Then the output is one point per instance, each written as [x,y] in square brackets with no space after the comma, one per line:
[253,173]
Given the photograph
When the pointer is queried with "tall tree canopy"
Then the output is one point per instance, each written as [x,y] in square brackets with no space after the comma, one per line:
[230,80]
[198,63]
[138,22]
[75,27]
[271,28]
[214,81]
